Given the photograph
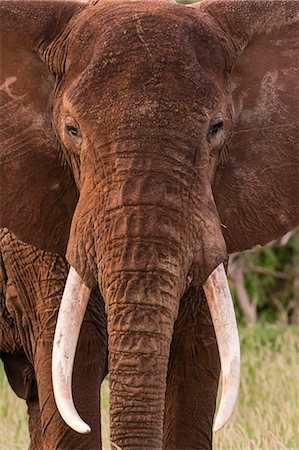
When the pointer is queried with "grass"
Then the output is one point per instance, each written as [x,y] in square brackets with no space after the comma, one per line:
[266,417]
[13,418]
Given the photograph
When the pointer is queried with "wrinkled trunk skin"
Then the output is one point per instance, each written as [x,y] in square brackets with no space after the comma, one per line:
[142,270]
[138,227]
[141,311]
[142,275]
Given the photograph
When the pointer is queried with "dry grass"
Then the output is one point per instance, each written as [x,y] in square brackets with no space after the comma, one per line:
[266,417]
[267,414]
[13,418]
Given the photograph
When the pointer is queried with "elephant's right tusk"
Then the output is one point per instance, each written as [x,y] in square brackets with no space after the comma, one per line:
[71,313]
[223,316]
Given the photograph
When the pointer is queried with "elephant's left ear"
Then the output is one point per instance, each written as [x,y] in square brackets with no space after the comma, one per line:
[37,192]
[257,189]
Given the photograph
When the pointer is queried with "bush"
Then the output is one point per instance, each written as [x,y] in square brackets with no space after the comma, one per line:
[264,281]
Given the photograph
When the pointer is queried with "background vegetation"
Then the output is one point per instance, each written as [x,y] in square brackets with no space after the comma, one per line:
[265,282]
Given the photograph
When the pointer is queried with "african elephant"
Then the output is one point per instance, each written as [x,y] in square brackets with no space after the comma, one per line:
[144,141]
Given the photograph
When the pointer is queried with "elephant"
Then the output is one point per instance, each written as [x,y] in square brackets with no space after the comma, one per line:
[142,142]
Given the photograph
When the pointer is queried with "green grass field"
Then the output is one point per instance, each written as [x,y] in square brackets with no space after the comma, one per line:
[266,417]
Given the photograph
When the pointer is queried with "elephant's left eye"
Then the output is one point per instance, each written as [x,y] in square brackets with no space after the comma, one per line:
[72,128]
[216,126]
[72,135]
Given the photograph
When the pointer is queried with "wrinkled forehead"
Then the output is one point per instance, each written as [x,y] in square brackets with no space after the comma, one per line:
[126,48]
[138,32]
[111,19]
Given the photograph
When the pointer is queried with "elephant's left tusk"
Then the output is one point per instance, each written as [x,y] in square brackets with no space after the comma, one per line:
[71,313]
[223,316]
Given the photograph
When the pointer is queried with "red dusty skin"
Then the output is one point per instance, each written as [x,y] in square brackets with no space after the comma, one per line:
[142,275]
[142,270]
[144,235]
[142,306]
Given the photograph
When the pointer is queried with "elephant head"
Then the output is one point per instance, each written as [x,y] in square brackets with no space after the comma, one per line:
[147,140]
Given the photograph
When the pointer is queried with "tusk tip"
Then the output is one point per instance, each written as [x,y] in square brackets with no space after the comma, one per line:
[219,423]
[227,404]
[70,415]
[78,425]
[84,429]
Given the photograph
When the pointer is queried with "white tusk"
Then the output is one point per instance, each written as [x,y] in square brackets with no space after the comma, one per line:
[223,316]
[71,313]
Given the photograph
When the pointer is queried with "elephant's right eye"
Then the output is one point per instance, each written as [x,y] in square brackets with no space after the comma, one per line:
[73,131]
[216,127]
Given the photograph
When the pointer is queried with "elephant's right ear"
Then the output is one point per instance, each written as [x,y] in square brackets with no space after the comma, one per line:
[37,191]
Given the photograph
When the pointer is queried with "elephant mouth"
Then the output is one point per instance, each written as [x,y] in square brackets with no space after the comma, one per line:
[71,313]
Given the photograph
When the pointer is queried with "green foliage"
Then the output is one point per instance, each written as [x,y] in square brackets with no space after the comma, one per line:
[270,276]
[263,286]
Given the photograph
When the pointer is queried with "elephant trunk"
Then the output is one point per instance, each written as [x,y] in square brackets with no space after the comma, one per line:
[142,307]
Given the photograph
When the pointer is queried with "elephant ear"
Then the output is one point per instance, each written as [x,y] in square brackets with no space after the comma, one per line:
[256,189]
[37,191]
